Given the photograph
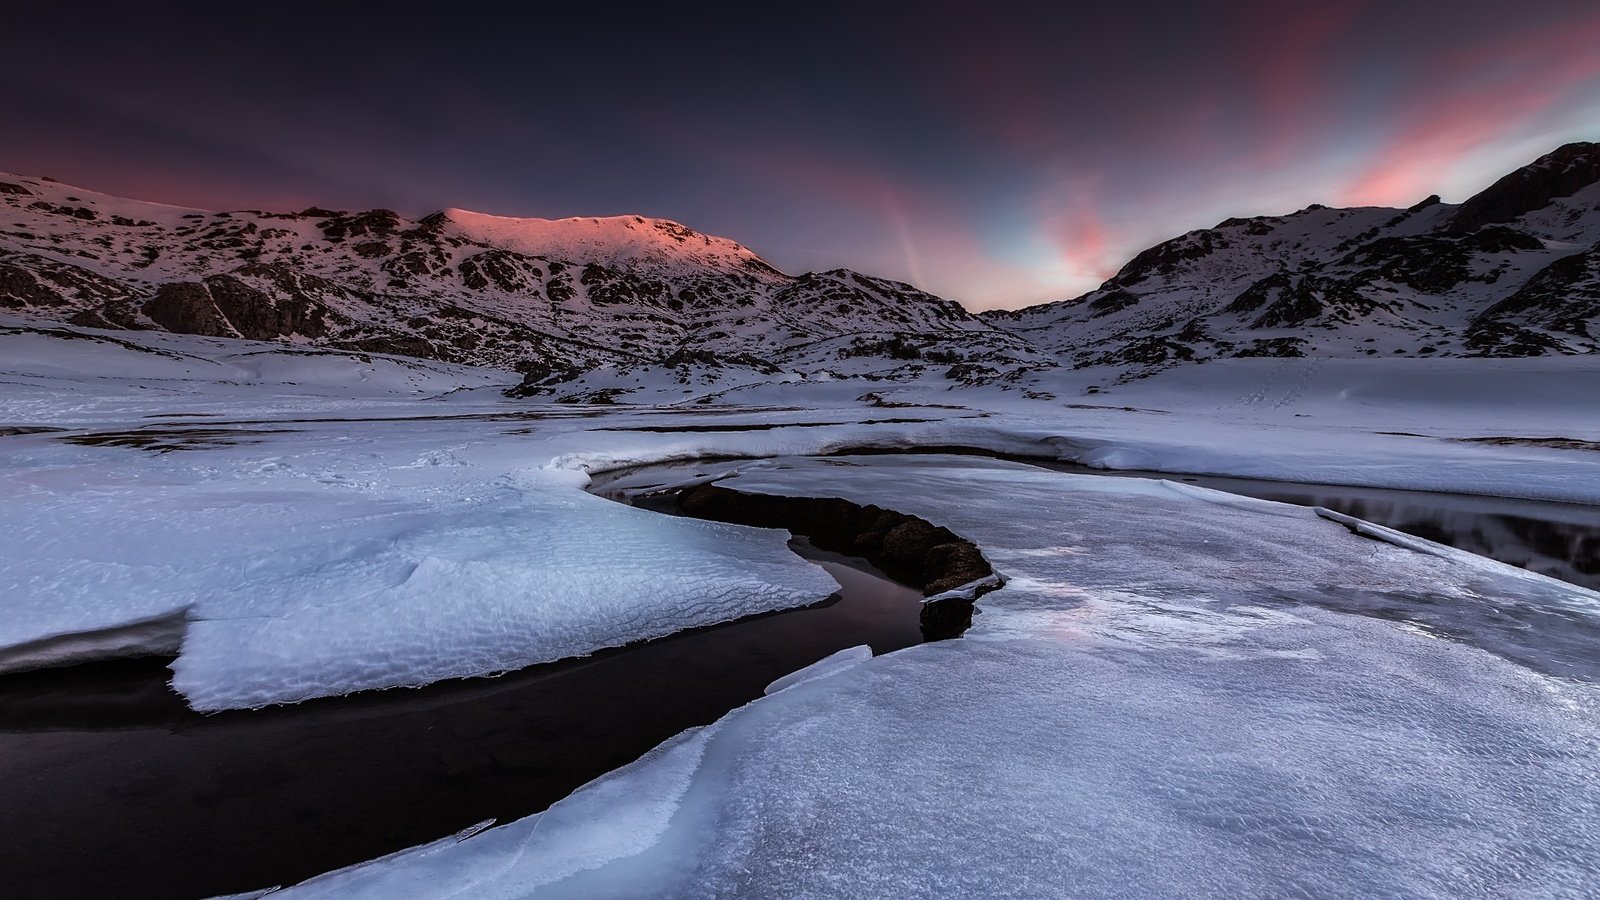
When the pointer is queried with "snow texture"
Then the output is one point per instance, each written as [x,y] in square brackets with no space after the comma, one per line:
[321,522]
[1169,698]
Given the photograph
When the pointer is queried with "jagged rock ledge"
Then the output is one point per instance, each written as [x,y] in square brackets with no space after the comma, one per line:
[949,569]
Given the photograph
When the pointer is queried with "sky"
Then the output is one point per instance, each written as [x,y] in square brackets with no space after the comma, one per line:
[998,154]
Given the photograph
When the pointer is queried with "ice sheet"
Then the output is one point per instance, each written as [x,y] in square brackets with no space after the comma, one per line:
[531,579]
[1141,711]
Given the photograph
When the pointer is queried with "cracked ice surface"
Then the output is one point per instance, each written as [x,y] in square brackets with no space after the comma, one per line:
[1152,706]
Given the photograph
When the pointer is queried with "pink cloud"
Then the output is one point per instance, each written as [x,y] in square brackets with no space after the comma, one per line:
[1473,97]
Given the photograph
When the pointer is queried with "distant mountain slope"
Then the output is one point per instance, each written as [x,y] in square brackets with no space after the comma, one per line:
[1513,271]
[591,308]
[547,297]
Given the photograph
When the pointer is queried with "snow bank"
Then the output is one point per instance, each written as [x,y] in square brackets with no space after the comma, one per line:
[480,591]
[1142,710]
[822,668]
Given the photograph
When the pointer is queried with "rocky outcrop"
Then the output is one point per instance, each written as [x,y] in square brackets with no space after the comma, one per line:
[28,281]
[1560,173]
[260,317]
[186,307]
[500,270]
[1166,258]
[1561,301]
[910,549]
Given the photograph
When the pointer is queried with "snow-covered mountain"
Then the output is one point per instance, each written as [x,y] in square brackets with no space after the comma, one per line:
[590,308]
[546,297]
[1513,271]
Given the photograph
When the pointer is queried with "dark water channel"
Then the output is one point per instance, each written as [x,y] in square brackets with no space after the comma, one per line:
[113,788]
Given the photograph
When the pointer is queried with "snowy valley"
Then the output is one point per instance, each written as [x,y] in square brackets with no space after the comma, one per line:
[306,460]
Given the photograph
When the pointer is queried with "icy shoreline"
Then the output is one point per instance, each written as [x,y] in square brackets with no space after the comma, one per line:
[1244,698]
[1194,710]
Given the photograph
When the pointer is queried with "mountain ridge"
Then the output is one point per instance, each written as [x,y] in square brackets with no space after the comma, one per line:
[1513,270]
[548,297]
[1433,279]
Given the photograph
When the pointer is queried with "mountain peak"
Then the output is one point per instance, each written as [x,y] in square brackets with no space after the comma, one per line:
[546,296]
[1560,173]
[630,238]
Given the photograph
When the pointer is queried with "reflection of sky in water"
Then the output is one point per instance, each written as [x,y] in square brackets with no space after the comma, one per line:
[1560,540]
[1569,551]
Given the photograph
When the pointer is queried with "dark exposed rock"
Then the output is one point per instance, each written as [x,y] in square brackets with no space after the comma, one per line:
[7,187]
[395,344]
[1430,200]
[76,212]
[1149,350]
[1193,332]
[608,286]
[1252,297]
[501,270]
[433,221]
[375,222]
[895,347]
[1560,173]
[1164,258]
[559,288]
[942,620]
[1273,347]
[20,288]
[258,316]
[911,549]
[1429,264]
[186,307]
[1297,299]
[86,318]
[1562,297]
[538,376]
[1294,305]
[1112,301]
[1491,337]
[1500,239]
[416,262]
[973,373]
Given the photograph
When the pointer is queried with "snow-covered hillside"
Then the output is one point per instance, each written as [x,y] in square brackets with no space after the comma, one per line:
[1513,271]
[598,308]
[543,297]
